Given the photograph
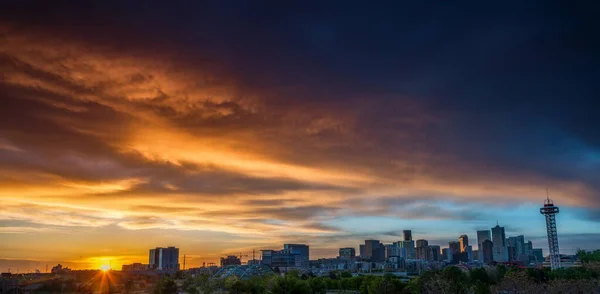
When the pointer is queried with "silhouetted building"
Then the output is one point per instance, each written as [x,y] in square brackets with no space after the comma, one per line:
[421,250]
[394,250]
[528,248]
[499,241]
[513,255]
[447,254]
[464,242]
[134,267]
[519,243]
[301,249]
[538,253]
[487,249]
[281,258]
[468,254]
[407,235]
[164,258]
[362,251]
[455,249]
[433,253]
[230,260]
[476,254]
[347,252]
[374,250]
[482,236]
[409,247]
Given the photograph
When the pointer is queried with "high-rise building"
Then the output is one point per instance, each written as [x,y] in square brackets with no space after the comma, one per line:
[487,247]
[519,243]
[301,249]
[455,250]
[550,211]
[407,235]
[447,254]
[499,241]
[476,254]
[421,250]
[433,253]
[528,247]
[409,246]
[374,250]
[464,242]
[513,255]
[164,258]
[482,236]
[394,250]
[468,254]
[539,254]
[362,251]
[347,252]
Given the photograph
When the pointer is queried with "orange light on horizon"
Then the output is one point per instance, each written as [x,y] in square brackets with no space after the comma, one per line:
[105,267]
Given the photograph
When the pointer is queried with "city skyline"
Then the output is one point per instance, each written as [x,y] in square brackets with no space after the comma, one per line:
[220,128]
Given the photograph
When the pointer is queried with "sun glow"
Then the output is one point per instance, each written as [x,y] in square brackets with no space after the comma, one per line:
[105,267]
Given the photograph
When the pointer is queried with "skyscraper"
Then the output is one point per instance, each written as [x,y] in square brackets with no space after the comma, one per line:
[407,235]
[433,253]
[488,251]
[519,243]
[550,211]
[374,250]
[455,251]
[499,241]
[410,248]
[464,242]
[421,250]
[482,236]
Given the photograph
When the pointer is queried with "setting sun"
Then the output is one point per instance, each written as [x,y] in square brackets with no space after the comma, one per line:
[105,267]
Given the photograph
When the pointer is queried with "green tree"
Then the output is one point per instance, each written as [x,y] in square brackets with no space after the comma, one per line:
[166,285]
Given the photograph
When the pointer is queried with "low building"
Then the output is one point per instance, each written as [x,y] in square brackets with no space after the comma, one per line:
[134,267]
[230,260]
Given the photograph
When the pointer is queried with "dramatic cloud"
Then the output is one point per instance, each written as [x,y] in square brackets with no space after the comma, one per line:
[272,123]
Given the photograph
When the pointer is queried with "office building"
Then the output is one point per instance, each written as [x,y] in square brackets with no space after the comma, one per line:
[476,254]
[528,247]
[482,236]
[394,250]
[362,251]
[463,240]
[518,242]
[513,255]
[409,247]
[407,235]
[447,254]
[374,250]
[499,241]
[538,254]
[433,253]
[347,252]
[455,250]
[421,250]
[281,258]
[468,254]
[164,258]
[230,260]
[487,248]
[301,249]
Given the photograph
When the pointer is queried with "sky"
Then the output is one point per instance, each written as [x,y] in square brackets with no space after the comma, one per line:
[221,127]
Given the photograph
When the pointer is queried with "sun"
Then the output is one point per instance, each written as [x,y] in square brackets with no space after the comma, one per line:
[105,267]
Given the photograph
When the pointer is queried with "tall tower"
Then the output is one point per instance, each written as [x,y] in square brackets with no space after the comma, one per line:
[550,211]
